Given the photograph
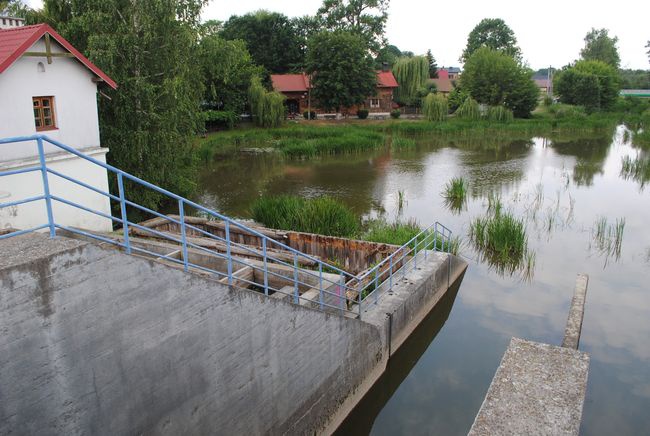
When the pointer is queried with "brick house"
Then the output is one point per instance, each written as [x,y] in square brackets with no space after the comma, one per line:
[296,88]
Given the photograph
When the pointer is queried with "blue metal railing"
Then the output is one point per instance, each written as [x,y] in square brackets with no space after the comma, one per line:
[337,289]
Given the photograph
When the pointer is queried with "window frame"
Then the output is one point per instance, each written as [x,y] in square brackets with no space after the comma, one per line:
[378,105]
[40,107]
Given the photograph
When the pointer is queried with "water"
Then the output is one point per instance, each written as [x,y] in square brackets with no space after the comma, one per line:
[437,382]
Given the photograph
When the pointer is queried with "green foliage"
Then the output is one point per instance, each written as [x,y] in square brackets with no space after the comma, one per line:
[547,101]
[495,34]
[412,75]
[495,78]
[397,233]
[469,110]
[310,115]
[599,46]
[395,114]
[456,189]
[456,97]
[499,114]
[227,72]
[366,18]
[435,108]
[634,79]
[402,142]
[322,215]
[433,68]
[637,169]
[271,38]
[149,48]
[567,111]
[267,107]
[362,114]
[343,74]
[388,54]
[631,105]
[220,119]
[593,84]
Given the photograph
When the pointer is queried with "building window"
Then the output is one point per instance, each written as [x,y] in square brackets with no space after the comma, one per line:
[374,102]
[44,113]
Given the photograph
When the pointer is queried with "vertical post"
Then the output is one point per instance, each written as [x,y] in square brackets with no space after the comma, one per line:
[415,257]
[403,265]
[426,235]
[376,284]
[359,298]
[46,188]
[320,280]
[181,214]
[296,294]
[341,291]
[228,256]
[266,268]
[125,222]
[390,274]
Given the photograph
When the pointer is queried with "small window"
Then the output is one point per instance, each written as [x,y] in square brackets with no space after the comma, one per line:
[44,113]
[374,102]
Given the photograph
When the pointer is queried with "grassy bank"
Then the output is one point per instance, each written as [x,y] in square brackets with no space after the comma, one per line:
[306,140]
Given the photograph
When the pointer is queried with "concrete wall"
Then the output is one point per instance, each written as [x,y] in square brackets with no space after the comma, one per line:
[97,342]
[75,104]
[21,186]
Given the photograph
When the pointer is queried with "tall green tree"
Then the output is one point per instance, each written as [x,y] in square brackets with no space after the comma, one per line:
[271,38]
[227,72]
[366,18]
[495,34]
[593,84]
[433,67]
[492,77]
[342,70]
[599,46]
[412,75]
[388,54]
[150,49]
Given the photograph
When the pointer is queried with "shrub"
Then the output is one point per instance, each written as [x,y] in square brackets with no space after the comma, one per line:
[469,110]
[435,108]
[500,114]
[322,215]
[309,115]
[395,113]
[456,189]
[267,108]
[219,119]
[567,111]
[362,114]
[548,100]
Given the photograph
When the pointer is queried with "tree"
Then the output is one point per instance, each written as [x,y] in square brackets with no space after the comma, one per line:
[227,72]
[342,71]
[388,54]
[271,38]
[493,33]
[593,84]
[412,75]
[599,46]
[267,107]
[493,77]
[433,68]
[366,18]
[149,48]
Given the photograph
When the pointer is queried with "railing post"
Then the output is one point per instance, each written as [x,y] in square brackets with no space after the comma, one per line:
[359,298]
[296,294]
[376,284]
[228,256]
[435,237]
[125,222]
[415,257]
[341,292]
[181,214]
[266,268]
[390,274]
[320,284]
[46,188]
[426,235]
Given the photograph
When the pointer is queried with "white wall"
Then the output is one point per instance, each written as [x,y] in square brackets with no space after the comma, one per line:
[75,100]
[21,186]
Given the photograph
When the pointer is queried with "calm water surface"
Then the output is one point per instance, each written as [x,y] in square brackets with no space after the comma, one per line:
[436,383]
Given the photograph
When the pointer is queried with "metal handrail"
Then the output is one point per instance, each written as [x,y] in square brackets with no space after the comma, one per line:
[347,283]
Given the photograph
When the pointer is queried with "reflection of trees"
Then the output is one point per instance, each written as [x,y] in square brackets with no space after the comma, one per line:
[362,418]
[637,169]
[590,156]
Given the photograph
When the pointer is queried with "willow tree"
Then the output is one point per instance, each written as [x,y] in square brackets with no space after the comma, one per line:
[267,107]
[411,75]
[435,107]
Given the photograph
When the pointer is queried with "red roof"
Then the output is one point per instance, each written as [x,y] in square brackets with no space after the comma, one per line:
[16,41]
[300,82]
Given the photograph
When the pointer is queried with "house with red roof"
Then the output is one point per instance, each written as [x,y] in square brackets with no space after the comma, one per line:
[48,87]
[297,89]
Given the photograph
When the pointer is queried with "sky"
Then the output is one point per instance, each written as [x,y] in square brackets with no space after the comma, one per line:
[549,33]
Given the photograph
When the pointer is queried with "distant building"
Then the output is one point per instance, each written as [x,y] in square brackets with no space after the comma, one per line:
[48,87]
[10,22]
[641,93]
[296,88]
[447,77]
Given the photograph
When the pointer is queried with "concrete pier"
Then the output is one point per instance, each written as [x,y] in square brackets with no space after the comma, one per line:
[539,388]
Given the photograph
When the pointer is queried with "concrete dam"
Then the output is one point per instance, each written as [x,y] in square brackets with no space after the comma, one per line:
[97,341]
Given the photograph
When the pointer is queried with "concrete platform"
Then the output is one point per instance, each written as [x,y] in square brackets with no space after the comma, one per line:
[537,389]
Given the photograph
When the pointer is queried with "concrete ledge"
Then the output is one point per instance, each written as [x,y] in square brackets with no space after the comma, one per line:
[538,389]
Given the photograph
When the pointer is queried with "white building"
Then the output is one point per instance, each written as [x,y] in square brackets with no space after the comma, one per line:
[48,87]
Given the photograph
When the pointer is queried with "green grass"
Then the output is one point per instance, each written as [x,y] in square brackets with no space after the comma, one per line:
[322,215]
[455,194]
[397,233]
[402,142]
[608,238]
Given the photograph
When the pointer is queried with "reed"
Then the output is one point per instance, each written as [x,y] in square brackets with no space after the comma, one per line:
[396,233]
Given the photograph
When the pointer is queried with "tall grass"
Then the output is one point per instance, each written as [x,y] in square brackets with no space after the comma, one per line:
[500,114]
[455,194]
[469,110]
[637,169]
[322,215]
[402,142]
[608,238]
[397,233]
[435,107]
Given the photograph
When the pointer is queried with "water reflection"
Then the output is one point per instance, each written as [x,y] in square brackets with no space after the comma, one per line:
[590,157]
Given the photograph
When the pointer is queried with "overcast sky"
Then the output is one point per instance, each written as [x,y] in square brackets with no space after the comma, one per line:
[549,32]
